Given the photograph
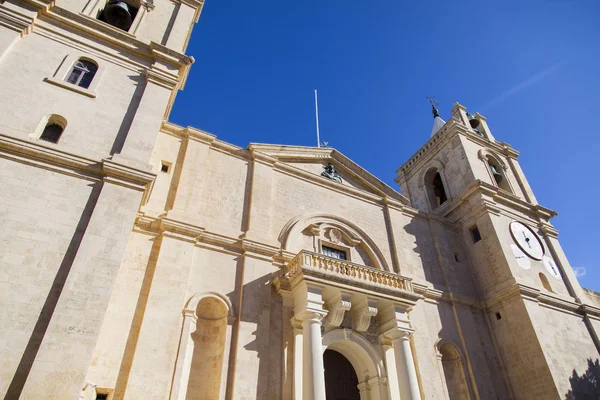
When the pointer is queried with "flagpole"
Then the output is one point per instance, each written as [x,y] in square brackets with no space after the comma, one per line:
[317,118]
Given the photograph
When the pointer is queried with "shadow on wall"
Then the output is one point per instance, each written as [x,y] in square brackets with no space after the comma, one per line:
[586,386]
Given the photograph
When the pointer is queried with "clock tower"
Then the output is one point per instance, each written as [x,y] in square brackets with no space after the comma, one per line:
[540,318]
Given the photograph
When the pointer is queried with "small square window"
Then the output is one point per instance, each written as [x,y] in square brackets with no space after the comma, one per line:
[475,235]
[102,396]
[165,167]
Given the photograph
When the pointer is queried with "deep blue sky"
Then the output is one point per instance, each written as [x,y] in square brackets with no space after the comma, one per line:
[531,67]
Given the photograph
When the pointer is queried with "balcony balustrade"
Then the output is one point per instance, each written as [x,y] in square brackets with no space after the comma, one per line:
[314,265]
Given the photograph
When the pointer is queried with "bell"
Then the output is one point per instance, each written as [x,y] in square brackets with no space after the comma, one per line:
[117,14]
[473,121]
[497,175]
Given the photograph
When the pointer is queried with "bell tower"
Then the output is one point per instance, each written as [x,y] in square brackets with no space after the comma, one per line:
[103,73]
[523,278]
[85,89]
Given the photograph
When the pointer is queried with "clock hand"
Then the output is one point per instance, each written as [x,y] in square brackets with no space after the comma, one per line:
[526,239]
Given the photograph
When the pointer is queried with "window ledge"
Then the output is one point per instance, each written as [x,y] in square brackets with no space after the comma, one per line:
[70,86]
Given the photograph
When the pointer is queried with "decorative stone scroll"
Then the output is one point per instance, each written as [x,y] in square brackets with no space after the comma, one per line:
[362,313]
[337,307]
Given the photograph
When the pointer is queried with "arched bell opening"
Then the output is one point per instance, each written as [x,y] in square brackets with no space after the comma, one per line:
[497,171]
[120,13]
[341,381]
[436,192]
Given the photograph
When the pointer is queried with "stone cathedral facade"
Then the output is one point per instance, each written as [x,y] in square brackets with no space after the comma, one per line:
[145,260]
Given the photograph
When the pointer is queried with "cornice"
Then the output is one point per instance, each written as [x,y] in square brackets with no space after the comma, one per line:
[201,237]
[491,199]
[424,153]
[545,299]
[450,129]
[47,157]
[124,175]
[277,155]
[15,20]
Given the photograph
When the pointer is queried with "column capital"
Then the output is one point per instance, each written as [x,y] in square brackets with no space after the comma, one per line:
[314,316]
[389,337]
[393,316]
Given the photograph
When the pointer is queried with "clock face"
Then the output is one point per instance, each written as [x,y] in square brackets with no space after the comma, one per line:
[527,240]
[552,267]
[521,258]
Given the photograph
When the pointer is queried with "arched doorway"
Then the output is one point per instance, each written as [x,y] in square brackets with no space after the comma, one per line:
[341,382]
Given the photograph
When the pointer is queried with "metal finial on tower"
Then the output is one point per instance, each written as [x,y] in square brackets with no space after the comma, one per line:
[433,103]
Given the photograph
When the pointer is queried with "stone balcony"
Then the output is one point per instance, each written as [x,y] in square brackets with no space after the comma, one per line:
[320,269]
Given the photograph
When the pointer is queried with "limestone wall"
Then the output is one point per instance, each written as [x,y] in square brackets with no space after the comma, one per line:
[566,343]
[38,224]
[93,124]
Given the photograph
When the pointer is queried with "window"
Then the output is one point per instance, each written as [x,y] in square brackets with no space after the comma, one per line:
[52,132]
[119,14]
[435,188]
[334,253]
[475,235]
[102,396]
[164,167]
[498,174]
[82,73]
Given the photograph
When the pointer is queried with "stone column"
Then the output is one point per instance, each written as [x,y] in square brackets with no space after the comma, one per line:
[395,338]
[402,375]
[404,359]
[313,371]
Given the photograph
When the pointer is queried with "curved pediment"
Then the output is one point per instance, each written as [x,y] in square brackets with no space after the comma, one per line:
[313,231]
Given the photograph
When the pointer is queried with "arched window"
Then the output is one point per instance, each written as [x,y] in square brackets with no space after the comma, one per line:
[53,129]
[456,382]
[119,13]
[545,282]
[82,73]
[498,174]
[435,188]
